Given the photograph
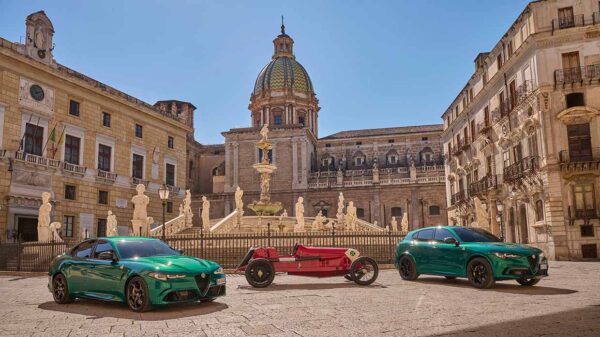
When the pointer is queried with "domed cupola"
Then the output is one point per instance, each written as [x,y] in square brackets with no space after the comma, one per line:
[283,92]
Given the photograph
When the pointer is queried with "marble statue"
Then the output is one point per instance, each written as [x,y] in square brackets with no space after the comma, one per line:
[351,216]
[43,226]
[140,202]
[285,213]
[394,224]
[264,133]
[340,208]
[299,227]
[111,224]
[180,209]
[340,176]
[187,208]
[317,224]
[265,179]
[205,212]
[54,227]
[239,203]
[404,223]
[155,159]
[375,173]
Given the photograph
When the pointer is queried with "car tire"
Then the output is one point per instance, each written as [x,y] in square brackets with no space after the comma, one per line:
[407,269]
[348,277]
[60,290]
[208,300]
[480,273]
[528,282]
[260,273]
[450,277]
[357,271]
[137,295]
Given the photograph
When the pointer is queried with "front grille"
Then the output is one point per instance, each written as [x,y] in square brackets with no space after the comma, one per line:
[203,282]
[180,295]
[216,291]
[533,262]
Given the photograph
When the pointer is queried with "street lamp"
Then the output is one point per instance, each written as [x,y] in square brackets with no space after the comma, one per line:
[163,193]
[500,208]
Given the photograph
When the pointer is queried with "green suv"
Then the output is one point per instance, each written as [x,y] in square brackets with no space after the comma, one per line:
[453,251]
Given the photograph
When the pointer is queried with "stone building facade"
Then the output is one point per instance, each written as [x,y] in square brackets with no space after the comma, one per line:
[522,138]
[85,142]
[386,172]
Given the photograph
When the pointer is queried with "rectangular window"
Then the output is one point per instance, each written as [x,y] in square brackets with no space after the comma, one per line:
[137,166]
[70,192]
[327,145]
[103,197]
[587,231]
[358,143]
[106,119]
[170,175]
[104,154]
[301,120]
[68,224]
[566,18]
[499,61]
[532,143]
[584,197]
[473,131]
[486,116]
[101,229]
[506,159]
[73,108]
[390,141]
[510,48]
[33,142]
[169,207]
[72,145]
[360,213]
[171,142]
[138,131]
[277,120]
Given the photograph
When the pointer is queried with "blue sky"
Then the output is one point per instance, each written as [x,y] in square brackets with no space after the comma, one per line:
[373,63]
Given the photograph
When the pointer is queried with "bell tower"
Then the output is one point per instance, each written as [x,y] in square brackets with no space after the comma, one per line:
[38,40]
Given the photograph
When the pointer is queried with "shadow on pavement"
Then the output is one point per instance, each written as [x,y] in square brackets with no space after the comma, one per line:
[581,322]
[98,309]
[311,286]
[511,287]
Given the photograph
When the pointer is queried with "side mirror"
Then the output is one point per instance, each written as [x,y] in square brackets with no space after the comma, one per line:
[108,255]
[451,240]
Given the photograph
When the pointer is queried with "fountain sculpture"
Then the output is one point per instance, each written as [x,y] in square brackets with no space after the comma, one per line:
[264,207]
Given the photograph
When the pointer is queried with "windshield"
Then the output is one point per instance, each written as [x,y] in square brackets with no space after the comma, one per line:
[475,235]
[144,248]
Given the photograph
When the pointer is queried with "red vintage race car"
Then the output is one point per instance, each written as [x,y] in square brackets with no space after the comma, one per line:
[261,263]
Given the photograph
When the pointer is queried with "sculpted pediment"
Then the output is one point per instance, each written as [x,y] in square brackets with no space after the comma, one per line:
[578,115]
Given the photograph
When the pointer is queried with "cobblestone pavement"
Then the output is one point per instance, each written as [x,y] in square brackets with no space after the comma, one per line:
[565,304]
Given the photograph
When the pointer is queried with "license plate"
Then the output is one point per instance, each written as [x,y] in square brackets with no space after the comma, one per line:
[221,281]
[544,266]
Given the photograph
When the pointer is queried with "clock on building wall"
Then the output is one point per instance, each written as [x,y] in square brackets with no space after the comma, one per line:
[36,92]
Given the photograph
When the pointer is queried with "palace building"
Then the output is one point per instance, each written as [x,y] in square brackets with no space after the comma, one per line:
[522,138]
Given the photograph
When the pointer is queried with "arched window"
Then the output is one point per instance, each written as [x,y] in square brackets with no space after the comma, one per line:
[219,170]
[360,212]
[359,159]
[539,210]
[434,210]
[426,155]
[392,157]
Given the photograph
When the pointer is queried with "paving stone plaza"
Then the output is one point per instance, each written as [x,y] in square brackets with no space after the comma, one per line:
[565,304]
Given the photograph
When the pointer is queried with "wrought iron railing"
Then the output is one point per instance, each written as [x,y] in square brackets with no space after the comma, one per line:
[458,197]
[589,73]
[483,185]
[520,169]
[578,214]
[567,156]
[568,22]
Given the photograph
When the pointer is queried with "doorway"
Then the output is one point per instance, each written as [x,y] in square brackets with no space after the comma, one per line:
[524,235]
[27,228]
[580,142]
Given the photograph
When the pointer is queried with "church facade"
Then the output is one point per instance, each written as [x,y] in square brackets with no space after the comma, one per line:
[386,172]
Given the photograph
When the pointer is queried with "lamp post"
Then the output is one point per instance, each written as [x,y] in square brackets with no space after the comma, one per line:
[500,208]
[163,193]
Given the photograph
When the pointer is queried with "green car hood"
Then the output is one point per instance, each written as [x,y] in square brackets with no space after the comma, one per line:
[506,247]
[176,264]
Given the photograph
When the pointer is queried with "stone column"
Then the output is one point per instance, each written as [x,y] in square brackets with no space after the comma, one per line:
[293,115]
[235,164]
[304,163]
[294,162]
[493,212]
[228,171]
[268,115]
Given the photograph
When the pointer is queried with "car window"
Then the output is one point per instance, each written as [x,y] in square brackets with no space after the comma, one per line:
[84,250]
[441,234]
[426,234]
[144,248]
[475,235]
[102,246]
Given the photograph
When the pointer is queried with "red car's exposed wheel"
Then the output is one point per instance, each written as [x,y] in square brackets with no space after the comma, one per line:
[260,273]
[60,290]
[364,271]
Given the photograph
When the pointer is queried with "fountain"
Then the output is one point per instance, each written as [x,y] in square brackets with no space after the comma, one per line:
[264,207]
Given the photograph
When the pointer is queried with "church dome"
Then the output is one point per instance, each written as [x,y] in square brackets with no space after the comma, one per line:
[281,73]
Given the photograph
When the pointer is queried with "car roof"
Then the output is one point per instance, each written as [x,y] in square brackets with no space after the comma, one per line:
[125,238]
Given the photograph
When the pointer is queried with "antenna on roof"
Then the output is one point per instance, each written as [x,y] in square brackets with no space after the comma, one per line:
[282,26]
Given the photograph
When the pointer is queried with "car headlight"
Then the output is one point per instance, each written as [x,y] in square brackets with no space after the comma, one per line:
[165,277]
[219,271]
[542,256]
[506,255]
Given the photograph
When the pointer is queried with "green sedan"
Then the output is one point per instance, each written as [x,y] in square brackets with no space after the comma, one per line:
[141,272]
[473,253]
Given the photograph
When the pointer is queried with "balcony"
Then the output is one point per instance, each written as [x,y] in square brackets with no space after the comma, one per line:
[484,128]
[479,188]
[106,177]
[136,181]
[568,22]
[458,198]
[582,75]
[36,160]
[174,190]
[75,169]
[582,214]
[520,169]
[580,161]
